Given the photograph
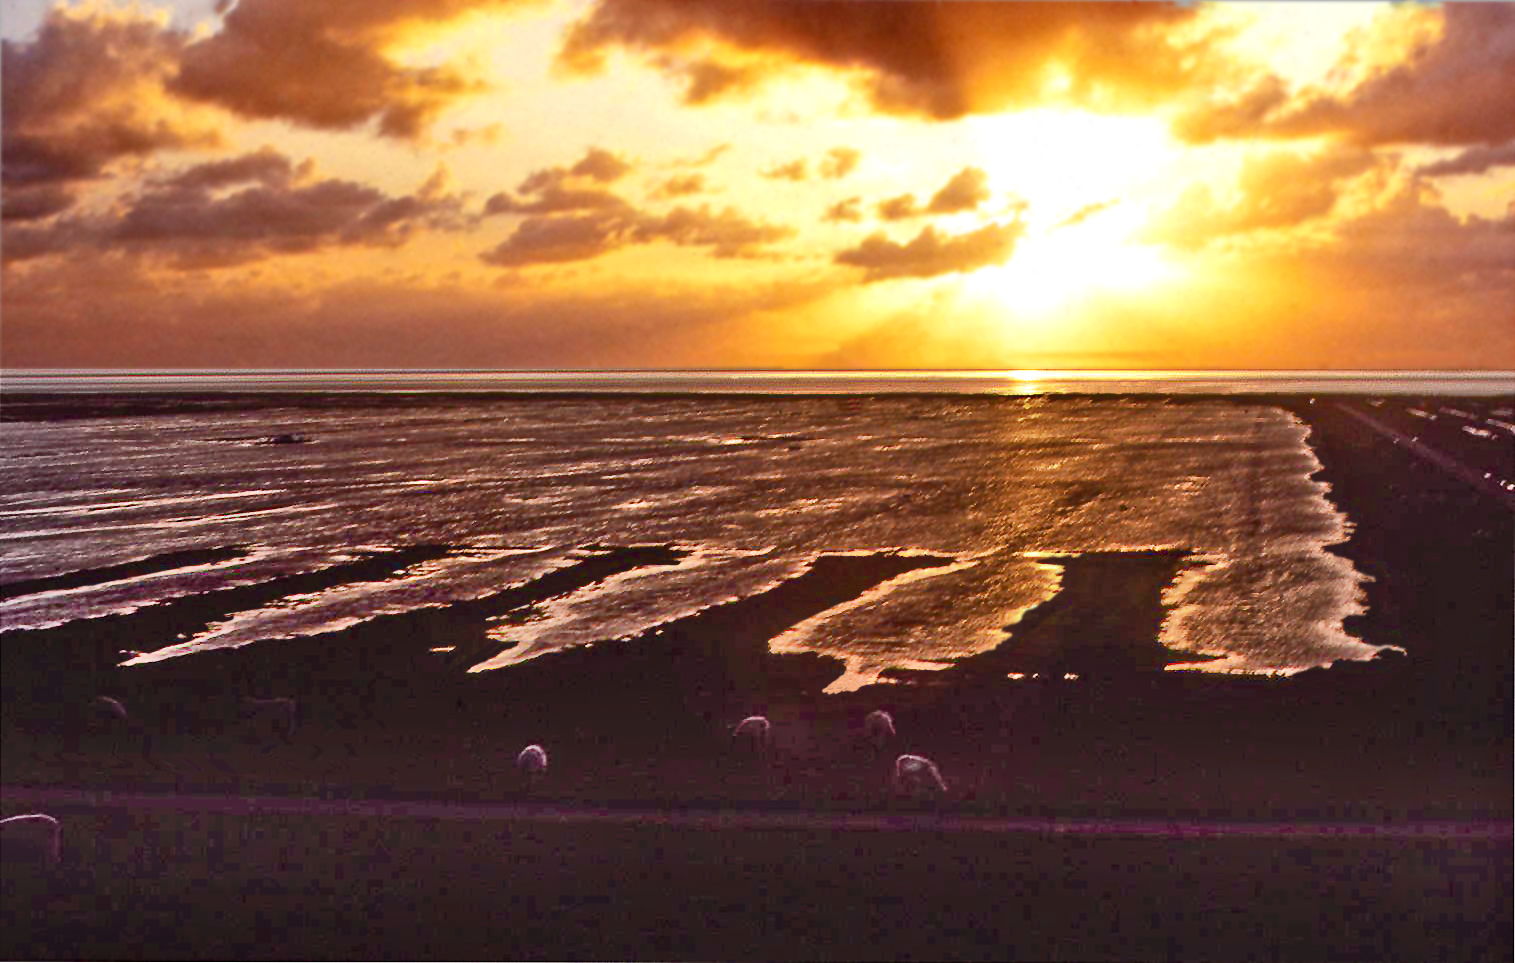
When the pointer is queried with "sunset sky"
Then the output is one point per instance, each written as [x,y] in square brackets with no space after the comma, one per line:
[723,183]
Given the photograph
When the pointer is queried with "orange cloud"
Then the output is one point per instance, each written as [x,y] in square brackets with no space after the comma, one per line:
[1282,189]
[579,237]
[848,210]
[88,91]
[1474,160]
[561,190]
[681,185]
[1457,90]
[965,191]
[931,254]
[839,162]
[1084,213]
[940,60]
[795,170]
[898,208]
[325,63]
[245,209]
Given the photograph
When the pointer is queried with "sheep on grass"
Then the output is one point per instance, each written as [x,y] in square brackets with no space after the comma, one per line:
[31,840]
[754,734]
[531,763]
[918,776]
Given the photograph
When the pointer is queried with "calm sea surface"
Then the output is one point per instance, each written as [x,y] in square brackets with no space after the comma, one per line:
[754,476]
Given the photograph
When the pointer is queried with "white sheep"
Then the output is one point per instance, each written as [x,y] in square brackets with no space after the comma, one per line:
[532,764]
[917,775]
[280,712]
[878,726]
[109,713]
[107,710]
[754,732]
[32,838]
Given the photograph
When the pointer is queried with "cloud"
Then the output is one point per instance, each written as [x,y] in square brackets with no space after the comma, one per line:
[967,189]
[1474,160]
[795,170]
[898,208]
[931,254]
[265,166]
[598,165]
[87,92]
[727,233]
[35,202]
[580,237]
[1454,91]
[1279,190]
[848,210]
[561,190]
[325,63]
[839,162]
[246,209]
[940,60]
[553,240]
[680,185]
[1084,213]
[703,160]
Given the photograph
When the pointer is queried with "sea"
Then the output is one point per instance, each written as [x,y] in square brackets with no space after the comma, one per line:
[752,476]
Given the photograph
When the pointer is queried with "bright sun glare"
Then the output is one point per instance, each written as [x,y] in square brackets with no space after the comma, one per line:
[1054,268]
[1080,214]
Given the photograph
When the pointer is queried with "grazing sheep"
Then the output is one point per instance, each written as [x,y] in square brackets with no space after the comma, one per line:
[878,726]
[918,775]
[754,732]
[32,838]
[532,764]
[280,713]
[108,714]
[108,711]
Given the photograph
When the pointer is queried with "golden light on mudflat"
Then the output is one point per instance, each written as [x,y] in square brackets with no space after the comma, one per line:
[484,183]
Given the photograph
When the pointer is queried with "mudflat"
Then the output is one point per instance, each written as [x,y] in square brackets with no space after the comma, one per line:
[644,726]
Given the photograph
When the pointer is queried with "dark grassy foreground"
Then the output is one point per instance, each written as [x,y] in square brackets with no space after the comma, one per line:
[156,886]
[1402,739]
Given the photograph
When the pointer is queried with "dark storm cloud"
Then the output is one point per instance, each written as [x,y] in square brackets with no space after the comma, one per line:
[931,253]
[940,60]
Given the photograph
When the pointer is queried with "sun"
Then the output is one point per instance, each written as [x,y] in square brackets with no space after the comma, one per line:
[1056,267]
[1082,212]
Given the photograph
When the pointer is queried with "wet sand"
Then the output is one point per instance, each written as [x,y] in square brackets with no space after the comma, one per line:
[646,723]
